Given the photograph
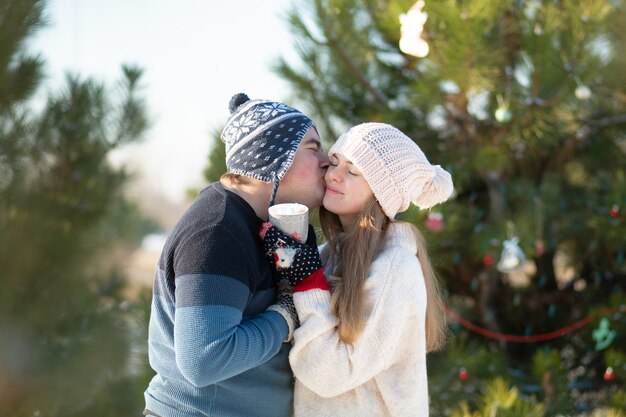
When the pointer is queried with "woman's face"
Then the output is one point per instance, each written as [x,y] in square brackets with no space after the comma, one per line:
[347,192]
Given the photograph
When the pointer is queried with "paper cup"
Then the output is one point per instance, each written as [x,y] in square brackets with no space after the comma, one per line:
[292,219]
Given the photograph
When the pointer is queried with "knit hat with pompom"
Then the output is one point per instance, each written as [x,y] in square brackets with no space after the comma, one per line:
[394,166]
[262,137]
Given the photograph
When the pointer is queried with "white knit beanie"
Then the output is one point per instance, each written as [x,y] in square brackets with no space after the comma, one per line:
[394,166]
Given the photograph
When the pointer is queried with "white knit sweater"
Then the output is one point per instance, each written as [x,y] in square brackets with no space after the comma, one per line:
[384,372]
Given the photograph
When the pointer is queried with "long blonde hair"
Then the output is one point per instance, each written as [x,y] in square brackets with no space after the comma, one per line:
[348,257]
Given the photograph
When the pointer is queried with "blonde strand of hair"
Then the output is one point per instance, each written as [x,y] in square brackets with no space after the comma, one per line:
[350,254]
[436,323]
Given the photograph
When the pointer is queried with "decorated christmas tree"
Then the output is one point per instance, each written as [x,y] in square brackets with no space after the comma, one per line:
[524,102]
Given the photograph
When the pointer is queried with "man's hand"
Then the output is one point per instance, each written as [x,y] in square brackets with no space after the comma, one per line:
[294,261]
[284,305]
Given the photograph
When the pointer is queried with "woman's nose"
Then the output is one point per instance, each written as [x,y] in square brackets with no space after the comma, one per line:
[333,173]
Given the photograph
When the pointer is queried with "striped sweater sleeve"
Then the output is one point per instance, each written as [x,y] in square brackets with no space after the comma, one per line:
[329,367]
[212,339]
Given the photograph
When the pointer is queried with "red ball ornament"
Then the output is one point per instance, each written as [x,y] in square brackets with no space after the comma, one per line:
[463,374]
[540,247]
[434,222]
[487,260]
[614,212]
[608,374]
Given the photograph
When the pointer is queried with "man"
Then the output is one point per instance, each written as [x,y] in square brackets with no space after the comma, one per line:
[216,336]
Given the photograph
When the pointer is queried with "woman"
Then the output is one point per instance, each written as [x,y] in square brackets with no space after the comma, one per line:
[361,347]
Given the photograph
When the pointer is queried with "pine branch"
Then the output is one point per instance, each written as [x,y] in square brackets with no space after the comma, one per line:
[309,87]
[376,22]
[608,121]
[335,44]
[594,126]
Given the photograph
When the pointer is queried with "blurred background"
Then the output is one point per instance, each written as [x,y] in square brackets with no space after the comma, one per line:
[110,114]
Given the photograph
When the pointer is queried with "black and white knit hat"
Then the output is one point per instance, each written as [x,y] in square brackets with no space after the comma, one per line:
[262,137]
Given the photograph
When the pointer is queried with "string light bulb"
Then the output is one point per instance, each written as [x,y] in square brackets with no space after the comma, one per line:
[411,28]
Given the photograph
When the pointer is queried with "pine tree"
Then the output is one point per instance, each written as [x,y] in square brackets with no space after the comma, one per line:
[525,104]
[65,335]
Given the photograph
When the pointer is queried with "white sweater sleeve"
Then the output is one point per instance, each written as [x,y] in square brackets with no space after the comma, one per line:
[396,298]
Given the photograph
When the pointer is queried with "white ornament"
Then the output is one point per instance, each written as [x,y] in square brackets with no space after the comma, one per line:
[411,28]
[503,114]
[512,258]
[582,92]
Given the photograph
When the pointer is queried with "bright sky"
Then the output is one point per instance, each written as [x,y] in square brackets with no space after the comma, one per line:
[196,55]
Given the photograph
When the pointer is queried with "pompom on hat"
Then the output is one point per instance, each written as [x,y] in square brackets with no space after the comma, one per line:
[262,137]
[394,166]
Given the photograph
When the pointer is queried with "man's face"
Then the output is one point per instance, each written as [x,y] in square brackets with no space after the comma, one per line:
[304,181]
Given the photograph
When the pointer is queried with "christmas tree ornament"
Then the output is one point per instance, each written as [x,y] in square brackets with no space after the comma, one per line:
[528,330]
[540,247]
[434,222]
[582,92]
[608,374]
[603,335]
[411,28]
[580,285]
[487,260]
[551,311]
[614,211]
[464,374]
[597,278]
[502,113]
[512,258]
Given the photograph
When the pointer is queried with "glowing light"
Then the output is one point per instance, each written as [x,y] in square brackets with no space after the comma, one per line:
[582,92]
[411,28]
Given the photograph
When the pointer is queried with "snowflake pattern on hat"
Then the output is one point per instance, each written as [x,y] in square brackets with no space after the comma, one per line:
[256,116]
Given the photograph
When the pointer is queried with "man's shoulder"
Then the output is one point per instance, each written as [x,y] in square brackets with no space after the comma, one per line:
[214,206]
[214,218]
